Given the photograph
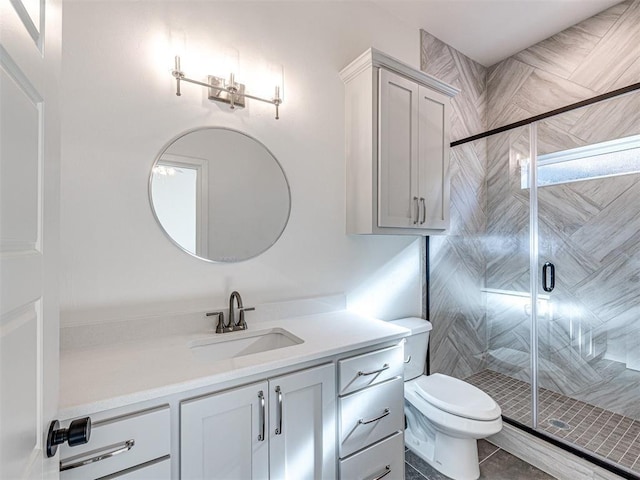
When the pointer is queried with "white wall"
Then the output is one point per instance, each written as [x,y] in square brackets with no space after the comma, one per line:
[120,109]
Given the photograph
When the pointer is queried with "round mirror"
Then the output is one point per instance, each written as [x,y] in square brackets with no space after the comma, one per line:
[219,194]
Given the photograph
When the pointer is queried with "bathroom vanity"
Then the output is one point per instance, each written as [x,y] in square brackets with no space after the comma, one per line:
[317,396]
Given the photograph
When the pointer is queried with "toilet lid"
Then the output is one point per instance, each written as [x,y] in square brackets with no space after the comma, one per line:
[456,397]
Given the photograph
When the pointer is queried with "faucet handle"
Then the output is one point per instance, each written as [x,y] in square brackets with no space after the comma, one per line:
[220,328]
[242,324]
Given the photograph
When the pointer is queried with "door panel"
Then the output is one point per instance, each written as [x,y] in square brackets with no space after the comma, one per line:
[219,435]
[398,151]
[304,448]
[433,163]
[29,191]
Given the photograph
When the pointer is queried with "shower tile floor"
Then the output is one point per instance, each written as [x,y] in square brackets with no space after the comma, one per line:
[607,434]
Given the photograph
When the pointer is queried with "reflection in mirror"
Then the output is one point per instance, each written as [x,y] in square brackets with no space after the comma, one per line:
[219,194]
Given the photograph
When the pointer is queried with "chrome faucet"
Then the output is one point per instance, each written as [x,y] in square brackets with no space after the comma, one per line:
[232,325]
[241,324]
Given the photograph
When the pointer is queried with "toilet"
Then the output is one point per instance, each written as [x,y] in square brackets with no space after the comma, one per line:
[445,416]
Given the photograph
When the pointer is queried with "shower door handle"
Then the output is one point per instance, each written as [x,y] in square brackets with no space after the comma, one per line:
[548,277]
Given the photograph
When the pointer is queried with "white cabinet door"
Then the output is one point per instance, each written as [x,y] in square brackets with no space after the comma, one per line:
[30,36]
[221,435]
[398,151]
[303,419]
[433,162]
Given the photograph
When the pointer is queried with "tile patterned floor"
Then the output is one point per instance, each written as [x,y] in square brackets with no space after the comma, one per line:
[495,464]
[607,434]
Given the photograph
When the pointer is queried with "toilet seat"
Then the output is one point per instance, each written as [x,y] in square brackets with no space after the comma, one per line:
[455,397]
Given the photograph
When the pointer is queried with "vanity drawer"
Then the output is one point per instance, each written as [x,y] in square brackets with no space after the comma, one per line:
[375,461]
[371,415]
[369,369]
[117,444]
[149,471]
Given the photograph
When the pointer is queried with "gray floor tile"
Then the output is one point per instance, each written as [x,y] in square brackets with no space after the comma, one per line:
[411,473]
[485,449]
[504,466]
[423,467]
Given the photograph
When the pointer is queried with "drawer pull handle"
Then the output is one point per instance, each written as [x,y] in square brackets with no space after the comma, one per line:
[362,421]
[408,359]
[387,471]
[115,450]
[373,372]
[262,415]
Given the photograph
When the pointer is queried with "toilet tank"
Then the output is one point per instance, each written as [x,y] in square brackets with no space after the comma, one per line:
[415,348]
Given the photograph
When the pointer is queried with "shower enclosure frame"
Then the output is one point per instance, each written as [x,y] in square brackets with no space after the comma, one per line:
[534,279]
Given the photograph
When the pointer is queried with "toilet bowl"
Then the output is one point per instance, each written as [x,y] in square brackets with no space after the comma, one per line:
[445,416]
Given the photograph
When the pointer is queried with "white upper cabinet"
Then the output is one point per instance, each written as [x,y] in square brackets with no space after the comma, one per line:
[397,121]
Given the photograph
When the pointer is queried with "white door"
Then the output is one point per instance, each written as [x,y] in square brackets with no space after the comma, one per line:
[433,159]
[397,152]
[302,419]
[224,436]
[29,188]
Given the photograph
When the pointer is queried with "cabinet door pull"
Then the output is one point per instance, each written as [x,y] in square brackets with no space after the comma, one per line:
[424,211]
[362,421]
[114,450]
[415,199]
[262,416]
[373,372]
[387,471]
[279,429]
[408,359]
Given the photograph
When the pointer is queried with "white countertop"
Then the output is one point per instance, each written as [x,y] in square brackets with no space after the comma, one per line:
[111,376]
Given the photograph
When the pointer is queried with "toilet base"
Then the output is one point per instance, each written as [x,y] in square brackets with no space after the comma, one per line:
[454,457]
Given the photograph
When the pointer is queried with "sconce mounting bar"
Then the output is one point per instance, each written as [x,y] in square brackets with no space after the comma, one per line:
[226,91]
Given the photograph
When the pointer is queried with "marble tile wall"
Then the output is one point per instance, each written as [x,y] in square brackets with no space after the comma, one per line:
[458,339]
[595,56]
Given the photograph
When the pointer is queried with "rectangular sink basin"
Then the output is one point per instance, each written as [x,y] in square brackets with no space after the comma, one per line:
[238,344]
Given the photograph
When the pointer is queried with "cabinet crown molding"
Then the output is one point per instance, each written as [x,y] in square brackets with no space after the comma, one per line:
[376,58]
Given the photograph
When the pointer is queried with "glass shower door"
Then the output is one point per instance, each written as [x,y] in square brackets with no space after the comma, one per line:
[507,376]
[588,200]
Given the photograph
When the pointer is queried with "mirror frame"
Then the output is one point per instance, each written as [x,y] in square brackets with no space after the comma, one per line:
[153,208]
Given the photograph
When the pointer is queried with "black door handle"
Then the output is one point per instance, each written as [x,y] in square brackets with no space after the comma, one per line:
[548,277]
[78,433]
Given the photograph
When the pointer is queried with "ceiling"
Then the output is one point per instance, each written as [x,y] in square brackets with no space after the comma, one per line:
[491,30]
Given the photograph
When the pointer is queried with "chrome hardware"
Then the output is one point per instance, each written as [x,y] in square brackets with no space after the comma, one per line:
[115,450]
[408,359]
[221,327]
[279,429]
[387,471]
[78,433]
[232,325]
[241,324]
[227,91]
[373,372]
[262,416]
[415,199]
[424,211]
[364,422]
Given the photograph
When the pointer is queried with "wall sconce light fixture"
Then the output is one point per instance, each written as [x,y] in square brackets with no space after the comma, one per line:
[225,90]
